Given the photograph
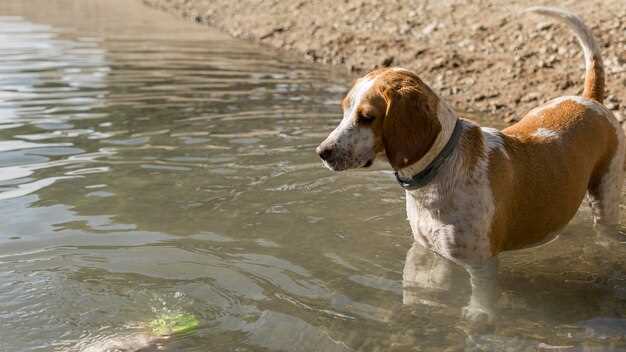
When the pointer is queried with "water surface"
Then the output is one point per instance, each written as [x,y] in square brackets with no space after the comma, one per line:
[151,166]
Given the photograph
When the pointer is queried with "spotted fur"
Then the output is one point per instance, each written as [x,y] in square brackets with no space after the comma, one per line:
[498,190]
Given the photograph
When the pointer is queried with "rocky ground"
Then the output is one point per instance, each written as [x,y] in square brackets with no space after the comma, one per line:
[482,55]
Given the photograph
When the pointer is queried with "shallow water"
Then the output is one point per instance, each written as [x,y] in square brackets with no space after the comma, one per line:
[150,166]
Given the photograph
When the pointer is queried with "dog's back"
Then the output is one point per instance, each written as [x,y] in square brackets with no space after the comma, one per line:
[557,153]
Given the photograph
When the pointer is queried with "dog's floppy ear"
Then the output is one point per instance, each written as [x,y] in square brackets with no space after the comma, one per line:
[411,125]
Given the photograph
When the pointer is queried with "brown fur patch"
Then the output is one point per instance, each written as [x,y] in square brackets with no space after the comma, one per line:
[594,81]
[539,188]
[410,125]
[473,143]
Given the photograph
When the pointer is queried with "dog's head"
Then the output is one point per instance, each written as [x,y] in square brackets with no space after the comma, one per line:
[389,114]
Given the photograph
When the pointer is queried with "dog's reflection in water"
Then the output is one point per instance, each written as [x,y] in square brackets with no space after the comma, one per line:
[435,288]
[441,287]
[432,280]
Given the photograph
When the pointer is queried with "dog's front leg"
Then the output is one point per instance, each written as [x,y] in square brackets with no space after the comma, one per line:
[481,307]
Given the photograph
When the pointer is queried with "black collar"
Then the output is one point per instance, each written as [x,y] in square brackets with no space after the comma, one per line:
[423,177]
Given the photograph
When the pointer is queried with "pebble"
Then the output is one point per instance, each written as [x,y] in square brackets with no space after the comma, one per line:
[430,28]
[480,28]
[532,96]
[544,26]
[388,61]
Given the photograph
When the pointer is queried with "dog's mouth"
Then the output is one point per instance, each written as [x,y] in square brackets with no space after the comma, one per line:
[341,164]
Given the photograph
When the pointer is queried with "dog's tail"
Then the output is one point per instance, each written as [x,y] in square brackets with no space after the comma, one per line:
[594,70]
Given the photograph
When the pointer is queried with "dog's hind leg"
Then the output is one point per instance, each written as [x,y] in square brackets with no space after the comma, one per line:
[605,195]
[604,198]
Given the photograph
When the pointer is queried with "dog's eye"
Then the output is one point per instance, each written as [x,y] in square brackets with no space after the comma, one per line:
[365,119]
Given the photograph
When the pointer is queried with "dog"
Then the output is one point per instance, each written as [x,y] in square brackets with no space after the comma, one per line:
[472,192]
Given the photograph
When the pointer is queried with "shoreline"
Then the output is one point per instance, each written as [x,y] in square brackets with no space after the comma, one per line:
[484,58]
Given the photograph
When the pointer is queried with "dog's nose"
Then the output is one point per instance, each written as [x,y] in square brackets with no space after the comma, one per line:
[324,152]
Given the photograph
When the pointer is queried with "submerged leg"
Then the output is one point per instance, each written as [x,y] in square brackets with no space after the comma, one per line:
[481,307]
[604,199]
[606,192]
[430,279]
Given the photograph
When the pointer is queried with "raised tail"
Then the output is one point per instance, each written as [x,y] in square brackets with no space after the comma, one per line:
[594,70]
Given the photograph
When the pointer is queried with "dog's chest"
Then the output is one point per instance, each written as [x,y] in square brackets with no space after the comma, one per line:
[456,227]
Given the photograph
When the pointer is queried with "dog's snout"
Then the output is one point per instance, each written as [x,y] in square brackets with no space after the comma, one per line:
[324,152]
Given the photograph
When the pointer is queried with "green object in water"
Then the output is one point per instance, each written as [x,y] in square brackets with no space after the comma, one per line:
[175,323]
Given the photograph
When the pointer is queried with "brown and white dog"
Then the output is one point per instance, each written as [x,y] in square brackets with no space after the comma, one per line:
[474,192]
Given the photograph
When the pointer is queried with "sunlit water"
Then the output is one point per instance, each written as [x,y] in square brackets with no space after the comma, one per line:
[150,166]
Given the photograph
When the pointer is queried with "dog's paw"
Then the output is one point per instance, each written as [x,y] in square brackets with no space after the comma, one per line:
[609,237]
[477,315]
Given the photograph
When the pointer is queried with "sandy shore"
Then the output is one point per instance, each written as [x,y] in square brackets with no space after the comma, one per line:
[483,56]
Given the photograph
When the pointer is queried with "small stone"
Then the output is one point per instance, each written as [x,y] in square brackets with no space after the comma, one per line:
[495,106]
[544,26]
[312,54]
[480,97]
[480,28]
[510,119]
[532,96]
[469,81]
[355,69]
[405,28]
[612,106]
[567,83]
[388,61]
[430,28]
[272,32]
[419,52]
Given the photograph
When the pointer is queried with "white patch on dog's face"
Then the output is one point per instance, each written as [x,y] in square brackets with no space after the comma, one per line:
[350,145]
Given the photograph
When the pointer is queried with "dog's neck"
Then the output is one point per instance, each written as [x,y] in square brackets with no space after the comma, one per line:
[448,119]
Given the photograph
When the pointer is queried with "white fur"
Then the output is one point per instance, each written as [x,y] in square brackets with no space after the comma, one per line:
[453,213]
[452,217]
[353,145]
[605,207]
[357,95]
[447,118]
[545,133]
